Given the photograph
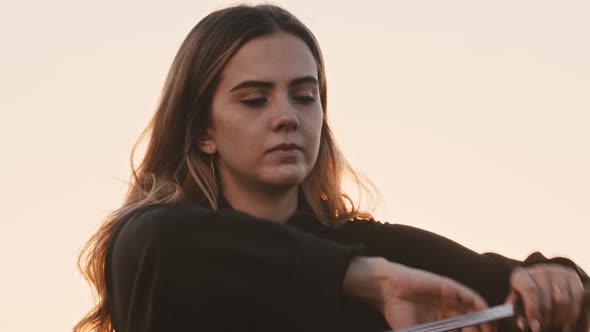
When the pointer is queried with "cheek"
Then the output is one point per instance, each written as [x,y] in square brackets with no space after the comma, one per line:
[237,142]
[231,130]
[314,123]
[312,132]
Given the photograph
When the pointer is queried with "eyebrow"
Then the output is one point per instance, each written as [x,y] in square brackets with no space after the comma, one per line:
[267,85]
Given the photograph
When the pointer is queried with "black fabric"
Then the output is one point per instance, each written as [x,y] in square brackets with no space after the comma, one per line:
[183,267]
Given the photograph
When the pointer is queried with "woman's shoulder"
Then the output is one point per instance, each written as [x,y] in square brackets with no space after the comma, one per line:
[170,221]
[153,218]
[143,226]
[161,212]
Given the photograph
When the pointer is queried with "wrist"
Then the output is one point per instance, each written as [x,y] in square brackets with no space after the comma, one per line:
[367,279]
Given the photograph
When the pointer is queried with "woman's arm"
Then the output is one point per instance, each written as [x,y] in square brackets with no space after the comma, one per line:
[184,267]
[406,297]
[490,274]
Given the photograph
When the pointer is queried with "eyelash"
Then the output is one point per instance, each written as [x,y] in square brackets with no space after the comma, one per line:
[258,102]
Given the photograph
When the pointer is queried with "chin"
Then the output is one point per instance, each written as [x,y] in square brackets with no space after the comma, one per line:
[286,180]
[285,177]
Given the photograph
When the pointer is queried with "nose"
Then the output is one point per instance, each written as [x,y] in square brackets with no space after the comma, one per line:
[286,118]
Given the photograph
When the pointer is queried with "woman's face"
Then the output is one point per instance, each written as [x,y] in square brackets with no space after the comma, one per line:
[266,115]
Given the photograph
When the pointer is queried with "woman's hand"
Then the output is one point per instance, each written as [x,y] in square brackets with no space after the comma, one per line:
[552,296]
[407,296]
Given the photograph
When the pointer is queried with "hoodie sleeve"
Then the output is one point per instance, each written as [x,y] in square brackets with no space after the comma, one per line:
[186,268]
[487,273]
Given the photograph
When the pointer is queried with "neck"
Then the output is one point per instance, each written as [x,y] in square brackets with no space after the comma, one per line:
[273,205]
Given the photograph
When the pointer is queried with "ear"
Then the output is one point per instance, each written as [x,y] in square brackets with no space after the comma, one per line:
[207,143]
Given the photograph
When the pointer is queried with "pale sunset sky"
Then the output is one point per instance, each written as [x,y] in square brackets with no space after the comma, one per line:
[471,117]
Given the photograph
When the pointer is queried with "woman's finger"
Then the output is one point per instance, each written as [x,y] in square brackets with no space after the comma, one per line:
[583,323]
[542,278]
[456,296]
[520,316]
[488,327]
[561,300]
[523,284]
[470,329]
[576,291]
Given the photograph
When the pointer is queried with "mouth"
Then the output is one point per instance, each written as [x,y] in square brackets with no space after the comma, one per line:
[285,147]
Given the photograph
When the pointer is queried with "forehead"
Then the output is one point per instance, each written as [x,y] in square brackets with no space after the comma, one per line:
[278,57]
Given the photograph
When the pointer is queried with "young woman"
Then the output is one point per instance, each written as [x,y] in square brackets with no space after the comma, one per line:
[235,219]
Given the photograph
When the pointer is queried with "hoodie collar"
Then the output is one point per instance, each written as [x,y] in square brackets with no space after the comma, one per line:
[303,218]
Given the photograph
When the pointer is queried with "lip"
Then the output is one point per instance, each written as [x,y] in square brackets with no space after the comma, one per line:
[285,147]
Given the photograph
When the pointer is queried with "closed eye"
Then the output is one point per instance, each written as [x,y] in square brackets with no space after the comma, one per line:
[257,102]
[305,99]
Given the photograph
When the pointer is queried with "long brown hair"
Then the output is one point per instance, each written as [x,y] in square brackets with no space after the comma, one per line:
[173,169]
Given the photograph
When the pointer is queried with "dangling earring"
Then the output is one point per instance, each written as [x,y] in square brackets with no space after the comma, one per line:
[212,164]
